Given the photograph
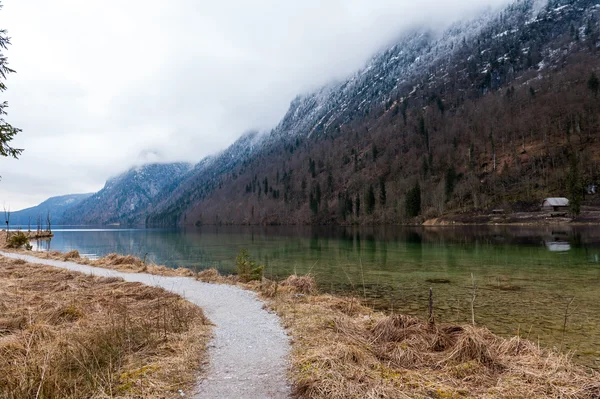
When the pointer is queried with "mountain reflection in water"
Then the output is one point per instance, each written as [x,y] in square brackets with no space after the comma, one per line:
[525,276]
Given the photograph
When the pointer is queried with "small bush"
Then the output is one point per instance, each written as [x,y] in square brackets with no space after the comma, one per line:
[302,284]
[209,275]
[18,240]
[246,267]
[72,255]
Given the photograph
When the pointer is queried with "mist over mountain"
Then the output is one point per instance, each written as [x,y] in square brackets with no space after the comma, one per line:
[498,110]
[125,194]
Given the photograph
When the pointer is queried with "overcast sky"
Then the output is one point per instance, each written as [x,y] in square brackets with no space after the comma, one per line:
[105,85]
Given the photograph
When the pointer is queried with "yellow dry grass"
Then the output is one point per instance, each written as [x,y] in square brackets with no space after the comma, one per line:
[342,349]
[122,263]
[67,335]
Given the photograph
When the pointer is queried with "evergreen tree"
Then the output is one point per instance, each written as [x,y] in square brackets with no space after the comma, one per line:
[593,84]
[370,200]
[318,194]
[382,192]
[314,205]
[450,182]
[312,167]
[330,183]
[357,205]
[7,131]
[403,110]
[413,201]
[440,104]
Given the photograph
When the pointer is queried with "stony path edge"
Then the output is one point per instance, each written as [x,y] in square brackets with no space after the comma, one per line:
[249,354]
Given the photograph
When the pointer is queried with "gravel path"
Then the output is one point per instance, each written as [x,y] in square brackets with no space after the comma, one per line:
[249,352]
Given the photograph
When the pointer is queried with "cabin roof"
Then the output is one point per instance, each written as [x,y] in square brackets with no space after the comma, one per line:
[558,201]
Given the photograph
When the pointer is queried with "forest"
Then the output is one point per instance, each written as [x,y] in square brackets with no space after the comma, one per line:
[502,121]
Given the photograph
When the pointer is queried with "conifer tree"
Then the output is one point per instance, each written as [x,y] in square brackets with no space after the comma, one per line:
[593,84]
[413,201]
[7,131]
[382,191]
[370,200]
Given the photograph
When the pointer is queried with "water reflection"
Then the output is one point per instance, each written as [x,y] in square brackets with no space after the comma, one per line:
[524,275]
[42,244]
[558,246]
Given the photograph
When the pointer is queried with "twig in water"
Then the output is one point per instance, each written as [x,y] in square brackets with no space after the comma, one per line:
[363,279]
[473,296]
[353,288]
[431,319]
[562,340]
[314,264]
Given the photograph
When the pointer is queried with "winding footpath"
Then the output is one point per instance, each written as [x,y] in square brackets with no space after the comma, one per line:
[249,352]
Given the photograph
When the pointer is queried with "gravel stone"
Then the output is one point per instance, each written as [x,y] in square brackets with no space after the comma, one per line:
[249,354]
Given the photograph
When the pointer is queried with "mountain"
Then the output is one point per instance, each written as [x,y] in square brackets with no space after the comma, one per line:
[56,206]
[501,110]
[126,194]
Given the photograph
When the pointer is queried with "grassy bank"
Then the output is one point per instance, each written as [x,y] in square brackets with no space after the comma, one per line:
[343,349]
[67,335]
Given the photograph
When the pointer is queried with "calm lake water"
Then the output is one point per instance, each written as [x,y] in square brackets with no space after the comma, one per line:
[524,277]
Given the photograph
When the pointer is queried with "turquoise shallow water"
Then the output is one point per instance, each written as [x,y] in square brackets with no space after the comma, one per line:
[524,277]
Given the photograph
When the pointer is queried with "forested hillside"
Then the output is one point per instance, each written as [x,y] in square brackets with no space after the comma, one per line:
[500,111]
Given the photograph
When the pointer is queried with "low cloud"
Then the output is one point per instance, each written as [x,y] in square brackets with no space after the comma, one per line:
[105,85]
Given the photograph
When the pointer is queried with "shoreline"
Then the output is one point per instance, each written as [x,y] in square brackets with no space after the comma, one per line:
[335,338]
[474,218]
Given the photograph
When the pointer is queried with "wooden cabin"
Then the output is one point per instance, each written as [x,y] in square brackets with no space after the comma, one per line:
[555,204]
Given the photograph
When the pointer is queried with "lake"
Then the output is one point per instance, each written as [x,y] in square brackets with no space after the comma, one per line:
[526,279]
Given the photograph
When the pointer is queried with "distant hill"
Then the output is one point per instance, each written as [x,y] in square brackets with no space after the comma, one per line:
[125,194]
[55,205]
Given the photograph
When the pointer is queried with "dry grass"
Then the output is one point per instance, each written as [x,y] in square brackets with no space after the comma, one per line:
[67,335]
[342,349]
[210,276]
[302,284]
[127,263]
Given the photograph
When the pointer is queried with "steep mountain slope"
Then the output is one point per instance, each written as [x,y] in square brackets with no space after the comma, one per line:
[467,114]
[126,194]
[56,206]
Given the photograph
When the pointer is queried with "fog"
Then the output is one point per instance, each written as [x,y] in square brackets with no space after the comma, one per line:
[105,85]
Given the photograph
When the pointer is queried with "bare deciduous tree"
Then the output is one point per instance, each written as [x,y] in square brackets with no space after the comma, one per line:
[7,219]
[49,222]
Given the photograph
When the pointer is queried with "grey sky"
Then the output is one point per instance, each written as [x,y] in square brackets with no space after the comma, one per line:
[105,85]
